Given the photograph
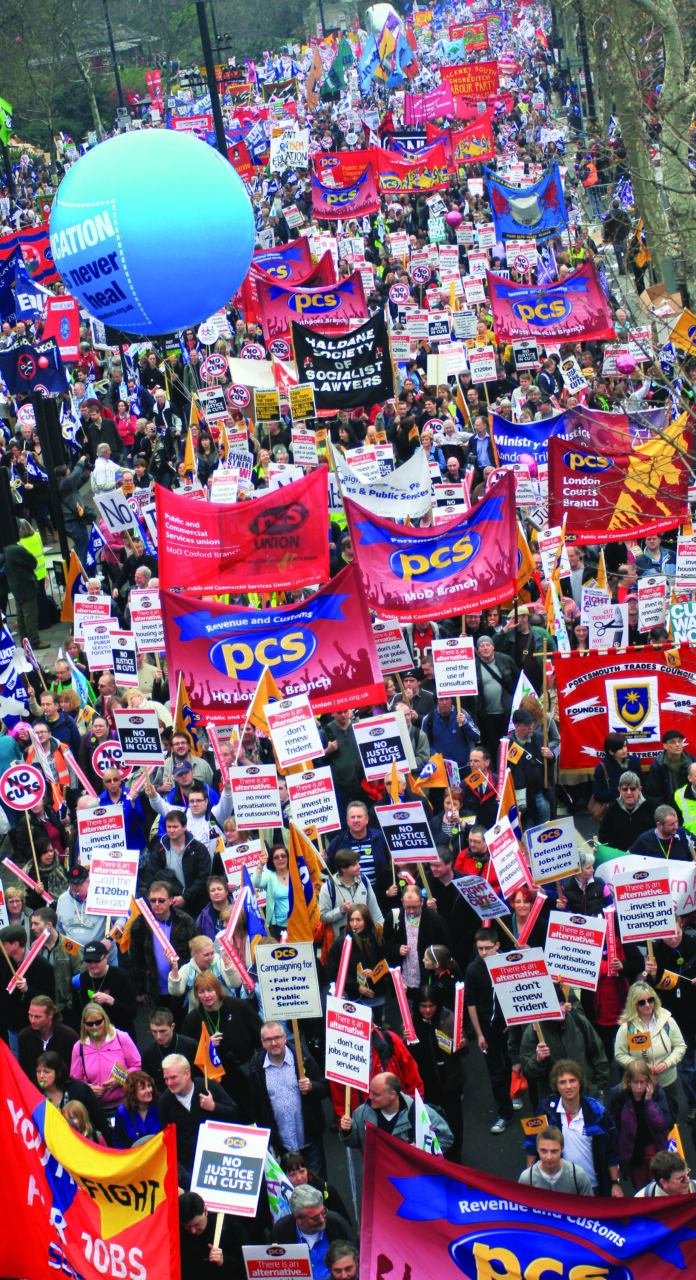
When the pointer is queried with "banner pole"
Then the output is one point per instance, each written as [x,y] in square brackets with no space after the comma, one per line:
[33,850]
[544,707]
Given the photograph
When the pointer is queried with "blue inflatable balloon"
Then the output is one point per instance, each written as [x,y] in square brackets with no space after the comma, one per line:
[152,231]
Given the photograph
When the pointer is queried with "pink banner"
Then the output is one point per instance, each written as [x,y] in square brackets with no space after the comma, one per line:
[293,268]
[573,309]
[356,200]
[419,107]
[609,914]
[459,1037]
[328,310]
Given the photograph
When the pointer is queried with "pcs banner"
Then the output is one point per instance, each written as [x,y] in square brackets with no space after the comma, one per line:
[291,270]
[343,167]
[328,310]
[575,308]
[639,692]
[357,200]
[323,647]
[418,574]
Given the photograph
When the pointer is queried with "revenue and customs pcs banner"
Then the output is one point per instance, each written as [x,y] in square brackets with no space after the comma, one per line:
[573,309]
[349,370]
[416,574]
[323,647]
[424,1217]
[72,1208]
[639,692]
[330,310]
[356,200]
[277,542]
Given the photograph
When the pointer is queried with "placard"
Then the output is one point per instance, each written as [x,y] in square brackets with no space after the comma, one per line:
[304,448]
[21,786]
[682,621]
[393,653]
[526,354]
[146,620]
[109,755]
[236,856]
[644,905]
[4,918]
[573,379]
[481,897]
[407,833]
[553,850]
[89,609]
[213,403]
[455,667]
[548,545]
[116,512]
[364,461]
[277,1261]
[573,948]
[96,640]
[293,730]
[302,403]
[381,741]
[100,831]
[482,364]
[255,797]
[348,1043]
[139,736]
[652,601]
[267,406]
[124,659]
[313,800]
[524,986]
[287,978]
[228,1167]
[504,849]
[113,879]
[685,573]
[223,488]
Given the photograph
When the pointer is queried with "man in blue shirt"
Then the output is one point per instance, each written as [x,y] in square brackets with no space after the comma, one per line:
[311,1224]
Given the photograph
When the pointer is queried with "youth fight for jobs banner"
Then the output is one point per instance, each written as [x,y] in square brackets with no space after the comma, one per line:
[323,273]
[328,310]
[75,1209]
[419,574]
[514,439]
[323,647]
[424,1217]
[612,497]
[277,542]
[346,370]
[536,212]
[356,200]
[639,692]
[573,309]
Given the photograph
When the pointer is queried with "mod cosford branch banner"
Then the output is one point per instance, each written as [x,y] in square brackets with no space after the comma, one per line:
[423,1216]
[221,650]
[639,692]
[278,541]
[574,308]
[418,574]
[328,310]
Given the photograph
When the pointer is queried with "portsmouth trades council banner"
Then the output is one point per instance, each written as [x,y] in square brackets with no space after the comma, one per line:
[221,650]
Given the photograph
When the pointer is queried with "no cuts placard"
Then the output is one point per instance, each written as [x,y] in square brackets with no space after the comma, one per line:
[228,1167]
[406,831]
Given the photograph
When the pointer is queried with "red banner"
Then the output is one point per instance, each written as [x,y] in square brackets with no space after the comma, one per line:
[62,322]
[595,429]
[639,692]
[418,574]
[343,166]
[475,142]
[419,107]
[287,270]
[573,309]
[323,647]
[423,1217]
[466,108]
[238,156]
[75,1209]
[277,542]
[472,79]
[357,200]
[327,310]
[36,251]
[616,497]
[429,174]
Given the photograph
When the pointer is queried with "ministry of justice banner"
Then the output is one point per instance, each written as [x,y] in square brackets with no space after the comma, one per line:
[573,309]
[417,574]
[323,647]
[515,439]
[598,430]
[610,497]
[425,1217]
[71,1208]
[277,542]
[329,310]
[639,692]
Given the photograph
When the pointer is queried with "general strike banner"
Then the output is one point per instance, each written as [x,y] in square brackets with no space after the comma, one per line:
[356,200]
[416,574]
[221,650]
[515,439]
[574,308]
[427,173]
[639,692]
[278,542]
[472,79]
[534,212]
[425,1217]
[609,497]
[310,277]
[329,310]
[75,1209]
[346,371]
[419,107]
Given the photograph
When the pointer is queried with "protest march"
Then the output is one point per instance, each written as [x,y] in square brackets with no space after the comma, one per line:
[348,648]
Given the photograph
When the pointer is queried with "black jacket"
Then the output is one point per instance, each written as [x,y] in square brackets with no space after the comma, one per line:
[117,983]
[678,849]
[312,1110]
[605,783]
[506,676]
[196,867]
[284,1231]
[187,1123]
[240,1025]
[153,1057]
[432,931]
[19,567]
[142,951]
[14,1006]
[660,787]
[31,1046]
[620,828]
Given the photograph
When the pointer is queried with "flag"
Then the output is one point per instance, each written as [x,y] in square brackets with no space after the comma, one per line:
[554,614]
[79,681]
[207,1057]
[266,691]
[315,75]
[255,922]
[278,1188]
[194,420]
[526,568]
[394,791]
[223,443]
[5,121]
[189,455]
[186,720]
[94,546]
[305,881]
[34,471]
[433,774]
[75,584]
[426,1137]
[674,1142]
[524,689]
[124,940]
[602,573]
[507,806]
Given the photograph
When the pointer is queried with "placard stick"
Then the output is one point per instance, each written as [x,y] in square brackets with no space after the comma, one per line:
[219,1223]
[421,872]
[205,1073]
[400,683]
[298,1049]
[540,1034]
[347,1106]
[509,932]
[33,850]
[2,949]
[544,707]
[651,950]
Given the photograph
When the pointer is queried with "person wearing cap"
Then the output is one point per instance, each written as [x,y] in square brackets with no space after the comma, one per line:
[669,771]
[181,751]
[526,755]
[667,839]
[418,699]
[38,981]
[105,984]
[628,817]
[71,910]
[497,677]
[523,641]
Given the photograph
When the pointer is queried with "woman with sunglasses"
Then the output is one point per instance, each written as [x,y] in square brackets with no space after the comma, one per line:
[648,1031]
[103,1057]
[639,1108]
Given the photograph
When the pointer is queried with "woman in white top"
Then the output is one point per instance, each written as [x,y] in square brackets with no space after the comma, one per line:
[203,960]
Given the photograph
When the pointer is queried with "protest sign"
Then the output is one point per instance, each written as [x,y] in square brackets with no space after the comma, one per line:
[644,905]
[573,948]
[124,659]
[364,461]
[228,1167]
[504,849]
[524,986]
[304,448]
[526,354]
[381,741]
[255,797]
[482,363]
[553,850]
[113,879]
[313,800]
[139,736]
[392,650]
[682,621]
[116,512]
[109,755]
[96,639]
[406,831]
[100,831]
[302,404]
[348,1045]
[277,1261]
[685,575]
[287,978]
[4,918]
[237,856]
[293,730]
[455,667]
[266,406]
[213,404]
[481,897]
[652,601]
[21,786]
[146,620]
[224,484]
[89,609]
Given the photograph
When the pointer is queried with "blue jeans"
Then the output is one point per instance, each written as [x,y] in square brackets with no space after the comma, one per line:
[542,806]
